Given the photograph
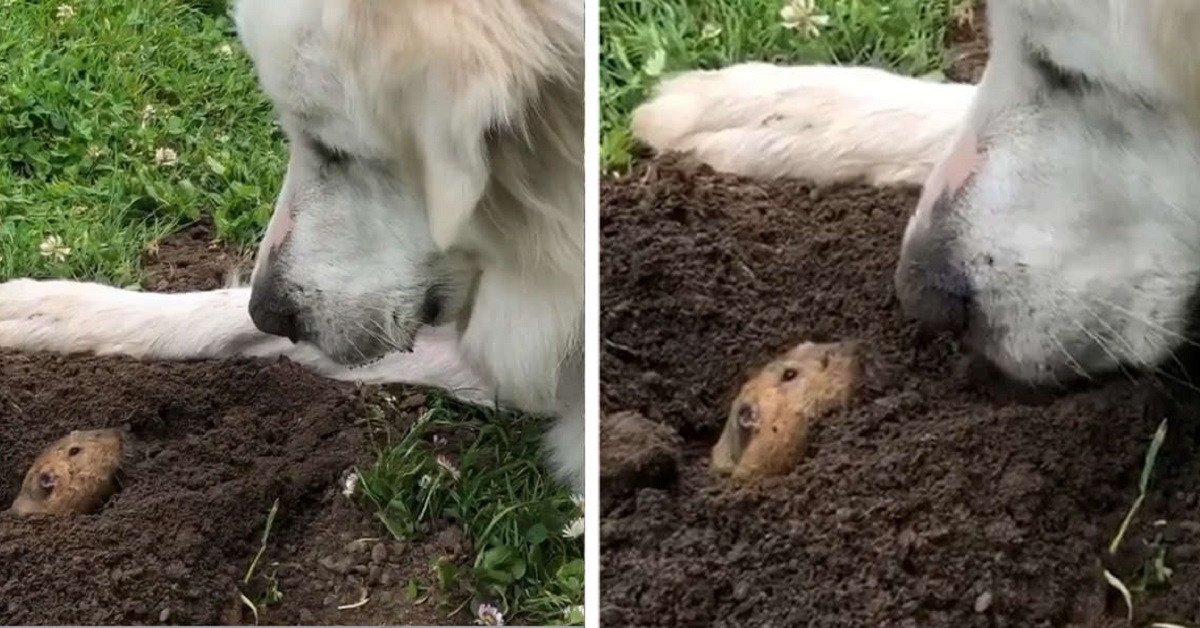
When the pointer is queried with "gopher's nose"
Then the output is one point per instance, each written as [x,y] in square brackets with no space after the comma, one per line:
[747,417]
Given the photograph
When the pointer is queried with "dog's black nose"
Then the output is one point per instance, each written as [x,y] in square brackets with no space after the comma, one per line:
[938,308]
[272,312]
[933,289]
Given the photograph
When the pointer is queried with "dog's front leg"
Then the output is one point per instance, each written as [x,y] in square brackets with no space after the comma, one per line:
[828,124]
[566,439]
[78,317]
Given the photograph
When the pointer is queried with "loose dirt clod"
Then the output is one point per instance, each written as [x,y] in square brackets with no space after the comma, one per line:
[74,475]
[768,424]
[635,453]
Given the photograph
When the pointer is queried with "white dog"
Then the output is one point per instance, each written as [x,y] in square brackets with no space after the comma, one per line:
[430,228]
[1059,227]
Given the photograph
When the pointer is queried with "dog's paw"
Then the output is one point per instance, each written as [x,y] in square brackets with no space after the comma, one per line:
[28,299]
[49,315]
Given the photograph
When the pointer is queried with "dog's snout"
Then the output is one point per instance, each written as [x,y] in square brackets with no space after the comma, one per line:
[938,309]
[273,312]
[933,288]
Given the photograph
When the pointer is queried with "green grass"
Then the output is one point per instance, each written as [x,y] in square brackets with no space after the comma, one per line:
[484,472]
[643,40]
[86,101]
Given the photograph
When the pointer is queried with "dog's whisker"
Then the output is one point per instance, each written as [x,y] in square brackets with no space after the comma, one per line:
[1071,361]
[1144,320]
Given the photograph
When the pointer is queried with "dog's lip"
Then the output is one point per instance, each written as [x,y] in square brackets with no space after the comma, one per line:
[357,357]
[360,365]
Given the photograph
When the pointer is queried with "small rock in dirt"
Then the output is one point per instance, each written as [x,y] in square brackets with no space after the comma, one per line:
[307,618]
[396,551]
[337,564]
[379,553]
[1185,552]
[983,602]
[357,546]
[413,402]
[165,615]
[635,452]
[176,570]
[451,541]
[374,575]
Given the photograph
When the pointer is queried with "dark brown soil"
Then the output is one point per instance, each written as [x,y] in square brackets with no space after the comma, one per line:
[967,55]
[215,444]
[929,503]
[193,259]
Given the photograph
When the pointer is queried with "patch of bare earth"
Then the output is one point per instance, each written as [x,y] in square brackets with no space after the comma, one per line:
[214,445]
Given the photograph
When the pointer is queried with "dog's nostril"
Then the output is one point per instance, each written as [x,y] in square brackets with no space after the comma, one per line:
[940,310]
[939,301]
[273,315]
[278,324]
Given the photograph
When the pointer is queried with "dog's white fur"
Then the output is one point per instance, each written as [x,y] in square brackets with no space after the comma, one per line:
[430,226]
[1062,195]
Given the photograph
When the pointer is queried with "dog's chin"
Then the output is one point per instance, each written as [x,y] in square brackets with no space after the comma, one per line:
[1036,383]
[361,350]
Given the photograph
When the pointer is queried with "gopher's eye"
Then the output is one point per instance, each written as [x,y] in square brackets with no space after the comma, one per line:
[74,451]
[789,374]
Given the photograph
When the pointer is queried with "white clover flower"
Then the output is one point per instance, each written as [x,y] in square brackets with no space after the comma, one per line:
[165,157]
[64,12]
[445,463]
[573,613]
[489,615]
[148,113]
[225,50]
[54,248]
[802,16]
[95,151]
[425,482]
[574,529]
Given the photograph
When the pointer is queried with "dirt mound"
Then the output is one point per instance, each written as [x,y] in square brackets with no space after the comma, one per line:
[214,444]
[928,503]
